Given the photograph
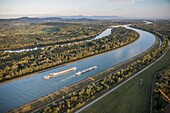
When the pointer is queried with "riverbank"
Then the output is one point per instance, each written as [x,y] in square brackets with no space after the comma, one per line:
[63,64]
[76,86]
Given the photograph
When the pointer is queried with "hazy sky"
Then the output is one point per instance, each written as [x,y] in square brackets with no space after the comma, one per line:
[124,8]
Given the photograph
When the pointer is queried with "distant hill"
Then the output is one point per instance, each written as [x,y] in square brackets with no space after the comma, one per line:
[78,18]
[92,17]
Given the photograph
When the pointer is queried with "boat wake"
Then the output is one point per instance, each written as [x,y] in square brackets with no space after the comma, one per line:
[68,78]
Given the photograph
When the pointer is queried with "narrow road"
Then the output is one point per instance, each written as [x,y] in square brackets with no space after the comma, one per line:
[81,109]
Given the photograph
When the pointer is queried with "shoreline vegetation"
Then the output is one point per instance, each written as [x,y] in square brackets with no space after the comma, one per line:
[66,90]
[21,64]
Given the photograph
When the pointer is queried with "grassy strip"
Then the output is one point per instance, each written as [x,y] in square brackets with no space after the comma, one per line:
[132,97]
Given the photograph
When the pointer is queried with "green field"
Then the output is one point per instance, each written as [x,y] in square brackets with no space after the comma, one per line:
[132,97]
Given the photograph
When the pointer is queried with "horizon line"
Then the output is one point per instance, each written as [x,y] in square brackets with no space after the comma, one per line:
[16,16]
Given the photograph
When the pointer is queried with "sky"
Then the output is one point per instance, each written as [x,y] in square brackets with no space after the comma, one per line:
[152,9]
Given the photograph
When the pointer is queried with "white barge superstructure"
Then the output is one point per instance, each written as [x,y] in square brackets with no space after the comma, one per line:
[86,70]
[51,75]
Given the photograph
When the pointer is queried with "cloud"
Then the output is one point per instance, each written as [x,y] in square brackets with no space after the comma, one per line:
[126,1]
[130,0]
[121,9]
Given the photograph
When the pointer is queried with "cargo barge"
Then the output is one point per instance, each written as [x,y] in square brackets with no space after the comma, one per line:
[86,70]
[51,75]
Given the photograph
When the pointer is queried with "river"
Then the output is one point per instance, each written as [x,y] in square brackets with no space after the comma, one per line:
[19,92]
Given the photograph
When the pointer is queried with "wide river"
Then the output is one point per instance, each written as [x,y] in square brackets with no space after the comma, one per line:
[19,92]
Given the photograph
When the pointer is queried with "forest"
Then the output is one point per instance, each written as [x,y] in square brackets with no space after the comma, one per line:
[21,35]
[18,64]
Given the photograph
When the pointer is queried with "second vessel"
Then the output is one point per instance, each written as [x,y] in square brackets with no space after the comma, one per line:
[86,70]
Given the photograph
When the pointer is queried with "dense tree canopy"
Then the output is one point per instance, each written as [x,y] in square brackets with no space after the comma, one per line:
[33,35]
